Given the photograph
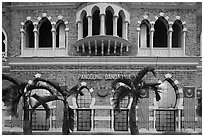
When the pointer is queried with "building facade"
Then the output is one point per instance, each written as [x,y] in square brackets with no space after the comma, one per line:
[94,43]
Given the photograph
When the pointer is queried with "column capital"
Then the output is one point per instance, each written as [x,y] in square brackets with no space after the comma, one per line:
[184,29]
[115,16]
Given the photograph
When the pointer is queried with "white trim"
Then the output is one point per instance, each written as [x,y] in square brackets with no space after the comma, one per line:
[102,63]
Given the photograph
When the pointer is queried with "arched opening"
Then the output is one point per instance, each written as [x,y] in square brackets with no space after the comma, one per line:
[120,24]
[3,43]
[109,22]
[160,33]
[29,34]
[85,24]
[144,35]
[168,95]
[45,35]
[176,35]
[96,21]
[60,37]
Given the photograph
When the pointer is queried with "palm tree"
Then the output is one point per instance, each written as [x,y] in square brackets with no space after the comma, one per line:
[12,95]
[132,86]
[68,113]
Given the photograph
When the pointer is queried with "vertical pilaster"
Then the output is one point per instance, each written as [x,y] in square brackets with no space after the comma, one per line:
[89,25]
[184,40]
[67,37]
[102,25]
[151,38]
[138,41]
[53,30]
[115,20]
[170,38]
[22,37]
[36,38]
[80,30]
[125,29]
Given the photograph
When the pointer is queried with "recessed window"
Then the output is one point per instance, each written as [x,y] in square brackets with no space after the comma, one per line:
[177,33]
[144,36]
[29,34]
[60,37]
[109,21]
[160,33]
[45,35]
[96,21]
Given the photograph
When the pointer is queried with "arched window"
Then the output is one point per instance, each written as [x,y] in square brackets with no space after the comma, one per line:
[120,24]
[85,100]
[160,33]
[60,37]
[109,21]
[96,21]
[29,34]
[144,35]
[168,95]
[45,35]
[176,35]
[85,24]
[4,44]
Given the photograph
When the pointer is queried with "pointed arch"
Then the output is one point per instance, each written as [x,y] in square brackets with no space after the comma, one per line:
[45,35]
[177,33]
[60,34]
[109,20]
[84,23]
[96,21]
[160,34]
[4,43]
[29,34]
[120,23]
[145,34]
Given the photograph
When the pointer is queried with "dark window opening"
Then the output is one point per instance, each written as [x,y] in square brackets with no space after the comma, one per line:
[96,23]
[3,44]
[29,35]
[160,33]
[176,35]
[109,23]
[85,26]
[145,34]
[120,26]
[60,37]
[45,35]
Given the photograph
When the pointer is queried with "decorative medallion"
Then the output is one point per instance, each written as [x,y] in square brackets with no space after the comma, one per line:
[102,89]
[144,93]
[189,92]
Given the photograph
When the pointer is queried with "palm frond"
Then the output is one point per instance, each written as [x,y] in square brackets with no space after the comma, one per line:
[51,83]
[153,86]
[32,87]
[9,78]
[42,100]
[118,96]
[124,80]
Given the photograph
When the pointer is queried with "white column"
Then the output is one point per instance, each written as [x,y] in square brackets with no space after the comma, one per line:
[115,22]
[96,47]
[83,48]
[53,38]
[80,30]
[89,25]
[36,38]
[109,47]
[22,37]
[102,47]
[179,119]
[125,30]
[170,39]
[66,37]
[115,45]
[151,38]
[121,48]
[138,41]
[184,40]
[89,44]
[102,25]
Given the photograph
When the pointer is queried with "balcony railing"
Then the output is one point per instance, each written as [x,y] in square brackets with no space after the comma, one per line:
[102,45]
